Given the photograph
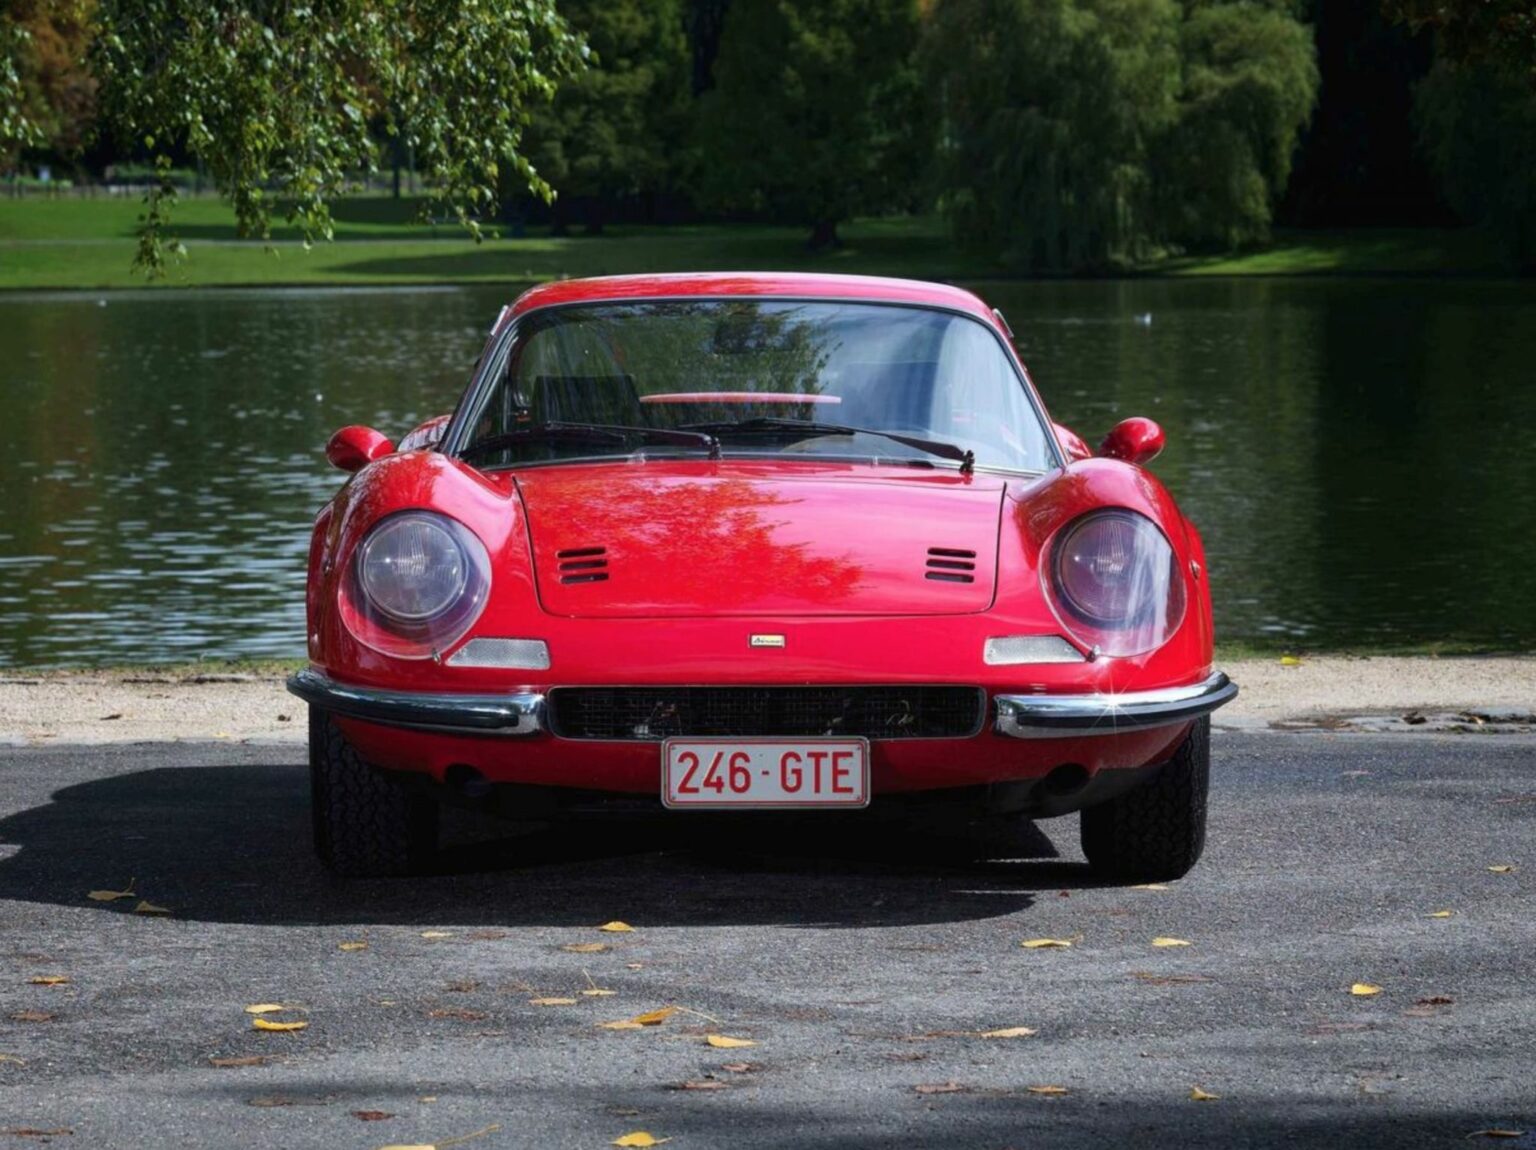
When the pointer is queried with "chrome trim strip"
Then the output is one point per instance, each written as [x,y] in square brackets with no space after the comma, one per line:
[514,714]
[1066,716]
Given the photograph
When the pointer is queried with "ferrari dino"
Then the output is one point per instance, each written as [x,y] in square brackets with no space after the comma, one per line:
[756,542]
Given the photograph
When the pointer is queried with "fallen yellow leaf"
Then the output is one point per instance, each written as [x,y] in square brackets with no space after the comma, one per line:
[358,945]
[1045,943]
[111,895]
[12,1059]
[265,1024]
[597,992]
[1289,661]
[1163,940]
[1503,868]
[150,908]
[1364,989]
[1008,1032]
[1440,914]
[266,1008]
[585,947]
[1047,1089]
[1198,1095]
[49,980]
[437,934]
[617,927]
[655,1017]
[622,1024]
[723,1042]
[638,1138]
[551,1002]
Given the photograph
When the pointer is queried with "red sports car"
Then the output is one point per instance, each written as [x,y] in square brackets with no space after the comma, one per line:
[738,542]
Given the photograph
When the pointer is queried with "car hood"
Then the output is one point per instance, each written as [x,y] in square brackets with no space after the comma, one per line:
[615,542]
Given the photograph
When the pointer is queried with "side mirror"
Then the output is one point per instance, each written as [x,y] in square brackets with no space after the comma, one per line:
[353,448]
[1136,440]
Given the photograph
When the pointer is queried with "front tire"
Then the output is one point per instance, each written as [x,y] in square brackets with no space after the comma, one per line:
[1156,831]
[366,823]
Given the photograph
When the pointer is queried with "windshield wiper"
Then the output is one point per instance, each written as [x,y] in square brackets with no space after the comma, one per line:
[771,423]
[592,433]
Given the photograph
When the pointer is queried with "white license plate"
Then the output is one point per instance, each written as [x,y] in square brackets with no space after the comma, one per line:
[770,773]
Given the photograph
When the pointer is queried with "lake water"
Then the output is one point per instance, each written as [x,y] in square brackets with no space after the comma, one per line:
[1358,454]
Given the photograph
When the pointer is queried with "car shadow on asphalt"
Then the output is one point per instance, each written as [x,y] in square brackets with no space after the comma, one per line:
[231,843]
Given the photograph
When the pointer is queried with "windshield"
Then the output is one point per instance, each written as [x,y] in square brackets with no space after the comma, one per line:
[758,377]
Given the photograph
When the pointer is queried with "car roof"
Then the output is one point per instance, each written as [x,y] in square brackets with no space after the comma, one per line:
[802,285]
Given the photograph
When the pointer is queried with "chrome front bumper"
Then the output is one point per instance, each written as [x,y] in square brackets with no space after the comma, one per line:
[1016,716]
[519,714]
[1063,716]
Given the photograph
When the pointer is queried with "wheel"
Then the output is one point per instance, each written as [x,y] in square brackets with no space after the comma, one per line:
[366,823]
[1157,830]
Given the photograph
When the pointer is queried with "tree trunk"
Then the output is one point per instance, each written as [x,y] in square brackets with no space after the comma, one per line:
[824,235]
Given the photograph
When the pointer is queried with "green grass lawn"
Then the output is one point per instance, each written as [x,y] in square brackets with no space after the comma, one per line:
[89,243]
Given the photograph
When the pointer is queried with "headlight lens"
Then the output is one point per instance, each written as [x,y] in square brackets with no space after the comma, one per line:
[419,581]
[1114,580]
[412,568]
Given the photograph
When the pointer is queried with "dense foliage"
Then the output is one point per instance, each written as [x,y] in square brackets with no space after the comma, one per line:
[47,95]
[1055,134]
[817,111]
[1081,133]
[618,129]
[1477,112]
[278,99]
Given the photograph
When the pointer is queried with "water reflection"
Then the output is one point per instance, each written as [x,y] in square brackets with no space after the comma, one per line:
[1356,453]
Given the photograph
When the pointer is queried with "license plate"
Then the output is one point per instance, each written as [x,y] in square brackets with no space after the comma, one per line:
[765,773]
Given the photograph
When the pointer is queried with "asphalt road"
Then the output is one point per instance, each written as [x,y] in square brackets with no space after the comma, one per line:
[861,966]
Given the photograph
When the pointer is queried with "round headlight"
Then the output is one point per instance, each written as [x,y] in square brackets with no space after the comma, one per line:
[1115,577]
[418,582]
[412,569]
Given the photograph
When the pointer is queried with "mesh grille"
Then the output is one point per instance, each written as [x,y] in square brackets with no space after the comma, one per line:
[899,712]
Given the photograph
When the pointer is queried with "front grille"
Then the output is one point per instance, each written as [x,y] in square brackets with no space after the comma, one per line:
[791,712]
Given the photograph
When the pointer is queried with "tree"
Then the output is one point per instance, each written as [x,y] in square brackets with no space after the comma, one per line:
[47,96]
[1249,84]
[1477,123]
[1083,134]
[817,111]
[616,129]
[1476,112]
[1051,107]
[1497,32]
[276,98]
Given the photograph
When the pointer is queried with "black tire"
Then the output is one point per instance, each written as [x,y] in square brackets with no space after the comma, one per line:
[1156,831]
[366,824]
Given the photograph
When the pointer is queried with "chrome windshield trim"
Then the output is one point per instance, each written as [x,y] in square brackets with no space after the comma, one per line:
[1065,716]
[519,713]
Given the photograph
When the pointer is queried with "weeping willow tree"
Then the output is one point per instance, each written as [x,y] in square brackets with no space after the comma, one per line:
[286,102]
[1083,134]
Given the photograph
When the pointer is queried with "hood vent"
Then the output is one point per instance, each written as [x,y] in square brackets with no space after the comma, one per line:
[583,565]
[951,565]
